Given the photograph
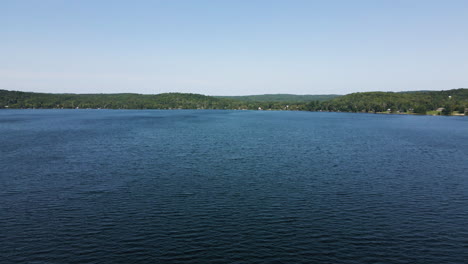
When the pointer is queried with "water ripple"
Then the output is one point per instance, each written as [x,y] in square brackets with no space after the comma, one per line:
[231,187]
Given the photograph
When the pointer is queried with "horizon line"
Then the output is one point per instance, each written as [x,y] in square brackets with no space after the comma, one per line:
[236,95]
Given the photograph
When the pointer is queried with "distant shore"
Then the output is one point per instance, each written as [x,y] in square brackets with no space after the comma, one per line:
[431,113]
[448,102]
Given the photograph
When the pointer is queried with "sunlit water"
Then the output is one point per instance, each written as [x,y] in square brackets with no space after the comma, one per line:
[183,186]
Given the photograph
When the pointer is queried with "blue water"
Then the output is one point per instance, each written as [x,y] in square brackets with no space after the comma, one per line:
[183,186]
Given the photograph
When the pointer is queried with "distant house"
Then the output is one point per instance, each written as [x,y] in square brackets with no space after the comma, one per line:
[440,109]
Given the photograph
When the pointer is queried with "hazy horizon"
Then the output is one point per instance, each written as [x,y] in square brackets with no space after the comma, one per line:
[242,95]
[237,48]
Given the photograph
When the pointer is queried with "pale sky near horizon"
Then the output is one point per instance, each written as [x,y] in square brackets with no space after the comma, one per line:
[233,47]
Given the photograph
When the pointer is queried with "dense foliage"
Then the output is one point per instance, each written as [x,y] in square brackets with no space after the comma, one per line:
[446,102]
[413,102]
[289,98]
[15,99]
[112,101]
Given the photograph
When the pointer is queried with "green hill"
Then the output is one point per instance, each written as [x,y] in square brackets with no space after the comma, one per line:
[421,102]
[290,98]
[14,99]
[417,102]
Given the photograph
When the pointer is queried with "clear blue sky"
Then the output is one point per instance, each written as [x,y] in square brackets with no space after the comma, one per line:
[233,47]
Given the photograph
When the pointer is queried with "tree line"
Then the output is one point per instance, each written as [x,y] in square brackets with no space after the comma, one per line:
[422,102]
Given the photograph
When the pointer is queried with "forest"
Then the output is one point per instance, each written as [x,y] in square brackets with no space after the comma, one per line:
[446,102]
[421,102]
[282,97]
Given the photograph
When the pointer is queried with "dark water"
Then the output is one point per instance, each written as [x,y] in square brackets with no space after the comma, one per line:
[103,186]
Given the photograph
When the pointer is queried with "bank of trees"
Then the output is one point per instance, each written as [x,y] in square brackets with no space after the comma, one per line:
[408,102]
[370,102]
[15,99]
[283,98]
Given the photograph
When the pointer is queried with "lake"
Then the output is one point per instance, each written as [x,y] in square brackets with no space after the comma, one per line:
[214,186]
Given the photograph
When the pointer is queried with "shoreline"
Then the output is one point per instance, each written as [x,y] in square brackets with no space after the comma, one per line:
[282,110]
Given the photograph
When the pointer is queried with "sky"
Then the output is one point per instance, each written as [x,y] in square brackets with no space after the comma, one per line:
[233,47]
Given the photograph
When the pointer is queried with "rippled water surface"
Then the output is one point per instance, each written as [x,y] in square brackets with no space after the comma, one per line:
[183,186]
